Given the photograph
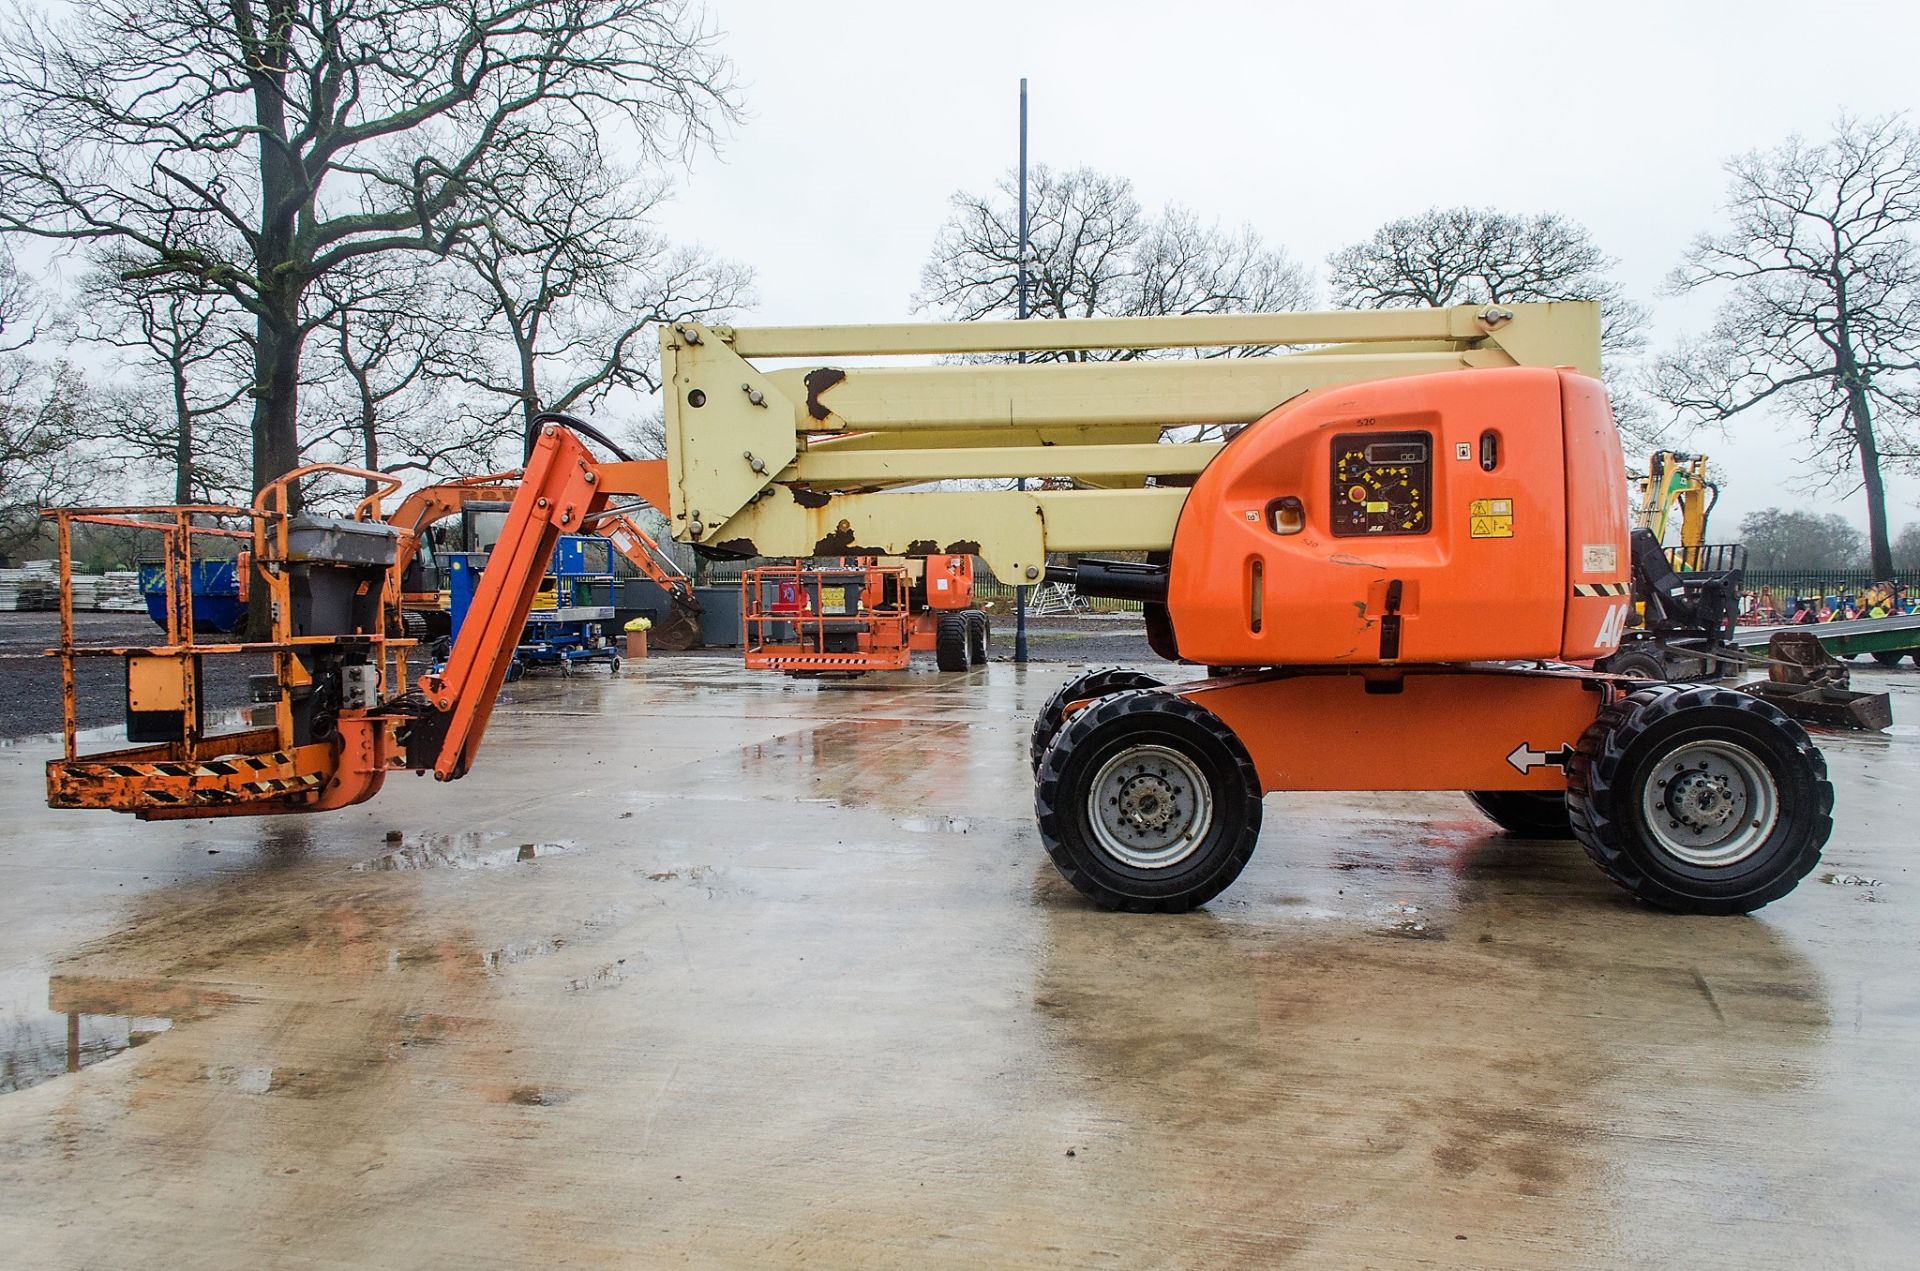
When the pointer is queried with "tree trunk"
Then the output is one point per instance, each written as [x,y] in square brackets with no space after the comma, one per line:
[369,428]
[529,395]
[182,439]
[276,433]
[1879,545]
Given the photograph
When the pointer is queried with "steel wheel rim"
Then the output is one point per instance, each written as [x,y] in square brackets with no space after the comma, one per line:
[1150,807]
[1711,804]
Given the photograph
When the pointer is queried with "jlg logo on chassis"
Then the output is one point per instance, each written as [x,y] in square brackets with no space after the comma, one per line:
[1613,627]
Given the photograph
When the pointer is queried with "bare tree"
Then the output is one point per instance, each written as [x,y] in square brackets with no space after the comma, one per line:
[1094,252]
[380,403]
[181,409]
[1777,539]
[568,281]
[1820,313]
[42,406]
[254,146]
[16,307]
[1906,548]
[1467,255]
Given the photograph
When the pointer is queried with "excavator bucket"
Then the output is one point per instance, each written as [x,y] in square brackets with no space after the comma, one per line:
[1811,685]
[679,630]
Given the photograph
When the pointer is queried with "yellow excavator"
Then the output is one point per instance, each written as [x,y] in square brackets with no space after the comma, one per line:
[1676,482]
[1686,591]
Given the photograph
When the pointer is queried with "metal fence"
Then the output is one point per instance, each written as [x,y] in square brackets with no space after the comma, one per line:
[1790,583]
[1002,597]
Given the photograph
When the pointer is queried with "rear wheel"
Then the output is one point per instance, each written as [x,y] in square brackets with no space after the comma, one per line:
[1101,683]
[950,641]
[1700,800]
[1888,657]
[1148,803]
[1525,814]
[977,633]
[1638,663]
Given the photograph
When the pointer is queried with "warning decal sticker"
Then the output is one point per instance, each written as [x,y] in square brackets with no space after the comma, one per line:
[1490,518]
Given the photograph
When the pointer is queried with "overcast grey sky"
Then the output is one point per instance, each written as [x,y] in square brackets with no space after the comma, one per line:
[1312,123]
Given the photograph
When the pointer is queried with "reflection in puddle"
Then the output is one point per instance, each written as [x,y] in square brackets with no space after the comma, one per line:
[936,825]
[84,1021]
[245,1078]
[520,951]
[468,849]
[1409,923]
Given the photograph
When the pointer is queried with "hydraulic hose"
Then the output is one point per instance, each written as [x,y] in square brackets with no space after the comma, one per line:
[576,424]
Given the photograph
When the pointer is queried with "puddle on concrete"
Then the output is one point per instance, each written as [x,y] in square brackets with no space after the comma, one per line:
[936,825]
[243,1078]
[467,849]
[53,1025]
[537,1096]
[692,873]
[520,951]
[604,977]
[228,719]
[1408,923]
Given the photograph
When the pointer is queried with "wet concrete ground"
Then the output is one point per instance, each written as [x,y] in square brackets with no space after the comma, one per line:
[706,967]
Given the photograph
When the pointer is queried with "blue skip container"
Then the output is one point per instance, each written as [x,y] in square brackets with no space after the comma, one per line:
[216,595]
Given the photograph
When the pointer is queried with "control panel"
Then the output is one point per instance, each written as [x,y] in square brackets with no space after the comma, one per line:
[1382,483]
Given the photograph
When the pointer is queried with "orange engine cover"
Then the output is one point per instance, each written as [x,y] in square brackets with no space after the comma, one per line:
[1463,516]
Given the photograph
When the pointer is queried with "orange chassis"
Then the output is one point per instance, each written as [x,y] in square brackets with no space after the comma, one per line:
[1401,728]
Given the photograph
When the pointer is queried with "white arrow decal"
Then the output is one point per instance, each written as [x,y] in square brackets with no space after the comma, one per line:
[1525,758]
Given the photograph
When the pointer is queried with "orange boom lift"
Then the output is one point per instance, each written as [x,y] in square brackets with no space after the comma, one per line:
[866,615]
[1400,570]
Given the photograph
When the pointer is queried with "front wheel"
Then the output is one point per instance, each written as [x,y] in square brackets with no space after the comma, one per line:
[1700,800]
[1148,803]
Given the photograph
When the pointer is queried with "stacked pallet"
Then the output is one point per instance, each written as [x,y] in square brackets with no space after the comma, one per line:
[117,591]
[36,586]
